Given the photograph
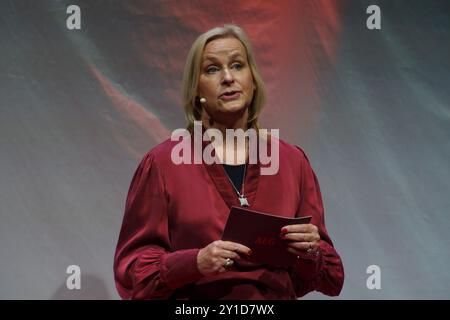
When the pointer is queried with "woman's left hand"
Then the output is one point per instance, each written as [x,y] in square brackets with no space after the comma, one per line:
[301,238]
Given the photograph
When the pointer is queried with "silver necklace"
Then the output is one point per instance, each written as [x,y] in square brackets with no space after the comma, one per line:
[242,199]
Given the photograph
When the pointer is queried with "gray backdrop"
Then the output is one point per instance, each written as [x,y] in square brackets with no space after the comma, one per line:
[79,108]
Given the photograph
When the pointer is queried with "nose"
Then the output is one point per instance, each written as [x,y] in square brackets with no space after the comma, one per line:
[227,76]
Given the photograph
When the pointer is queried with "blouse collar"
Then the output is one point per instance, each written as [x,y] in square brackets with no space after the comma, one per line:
[220,179]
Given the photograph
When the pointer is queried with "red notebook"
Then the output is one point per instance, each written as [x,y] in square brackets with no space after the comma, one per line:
[261,233]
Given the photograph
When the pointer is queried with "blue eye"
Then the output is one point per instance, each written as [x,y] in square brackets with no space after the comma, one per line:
[237,66]
[211,70]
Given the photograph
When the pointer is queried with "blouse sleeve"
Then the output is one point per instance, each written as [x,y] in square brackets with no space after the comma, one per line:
[323,272]
[144,265]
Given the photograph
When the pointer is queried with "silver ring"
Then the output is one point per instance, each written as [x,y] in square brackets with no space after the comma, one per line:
[228,263]
[315,251]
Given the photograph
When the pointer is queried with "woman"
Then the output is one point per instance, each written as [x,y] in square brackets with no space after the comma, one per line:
[169,245]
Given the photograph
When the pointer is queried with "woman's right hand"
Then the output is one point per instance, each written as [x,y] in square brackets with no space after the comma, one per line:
[212,259]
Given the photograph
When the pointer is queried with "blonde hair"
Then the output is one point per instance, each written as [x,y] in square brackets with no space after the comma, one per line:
[192,68]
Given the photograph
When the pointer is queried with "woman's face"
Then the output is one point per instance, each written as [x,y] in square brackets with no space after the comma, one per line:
[226,81]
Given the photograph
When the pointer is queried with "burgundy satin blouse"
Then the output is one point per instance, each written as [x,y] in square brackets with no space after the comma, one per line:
[172,211]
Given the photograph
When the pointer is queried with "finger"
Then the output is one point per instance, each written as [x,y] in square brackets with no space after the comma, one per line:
[236,247]
[295,251]
[302,228]
[219,253]
[303,246]
[300,237]
[229,254]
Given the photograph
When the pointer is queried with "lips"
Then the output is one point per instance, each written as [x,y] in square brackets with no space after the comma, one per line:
[230,95]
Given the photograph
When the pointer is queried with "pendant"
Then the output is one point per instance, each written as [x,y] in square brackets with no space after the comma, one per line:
[243,201]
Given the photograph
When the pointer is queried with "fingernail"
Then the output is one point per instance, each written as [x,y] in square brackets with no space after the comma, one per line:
[250,253]
[284,230]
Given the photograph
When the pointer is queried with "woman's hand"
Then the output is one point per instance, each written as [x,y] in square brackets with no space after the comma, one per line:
[219,255]
[301,238]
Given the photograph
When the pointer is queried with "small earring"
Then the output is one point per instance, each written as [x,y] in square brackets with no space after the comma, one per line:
[202,100]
